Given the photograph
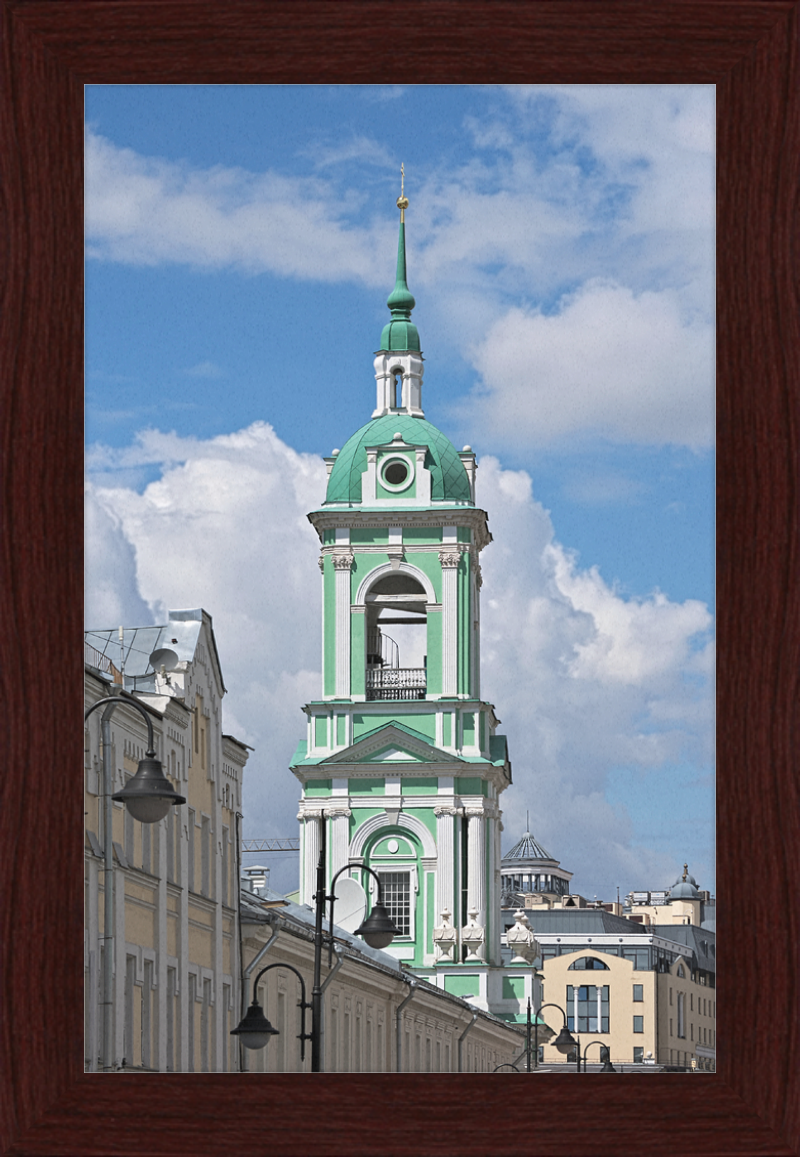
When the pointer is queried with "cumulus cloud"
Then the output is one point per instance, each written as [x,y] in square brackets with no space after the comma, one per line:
[627,367]
[111,593]
[584,680]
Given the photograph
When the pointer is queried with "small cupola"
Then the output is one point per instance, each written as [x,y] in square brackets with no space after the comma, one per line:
[398,362]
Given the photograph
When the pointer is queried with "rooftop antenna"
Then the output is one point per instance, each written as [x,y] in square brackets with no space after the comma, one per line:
[122,654]
[527,823]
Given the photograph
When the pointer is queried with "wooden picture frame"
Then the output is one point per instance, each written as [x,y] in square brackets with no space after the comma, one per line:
[751,50]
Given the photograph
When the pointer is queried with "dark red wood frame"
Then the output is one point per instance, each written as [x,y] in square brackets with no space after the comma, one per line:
[50,49]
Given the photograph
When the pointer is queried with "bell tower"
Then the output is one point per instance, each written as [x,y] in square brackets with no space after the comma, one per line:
[402,760]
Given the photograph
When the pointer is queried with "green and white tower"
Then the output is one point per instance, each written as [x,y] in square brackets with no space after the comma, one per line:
[402,761]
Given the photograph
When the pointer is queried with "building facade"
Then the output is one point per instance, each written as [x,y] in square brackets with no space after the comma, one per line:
[376,1016]
[647,993]
[176,964]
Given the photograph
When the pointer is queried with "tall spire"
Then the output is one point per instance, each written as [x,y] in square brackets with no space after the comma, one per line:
[400,333]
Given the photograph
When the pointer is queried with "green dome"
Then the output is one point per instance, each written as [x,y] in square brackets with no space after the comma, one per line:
[449,482]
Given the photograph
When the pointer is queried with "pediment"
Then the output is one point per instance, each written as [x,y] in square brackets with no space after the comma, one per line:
[391,744]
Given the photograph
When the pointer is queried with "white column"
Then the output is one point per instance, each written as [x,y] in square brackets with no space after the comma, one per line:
[476,866]
[449,560]
[445,825]
[340,837]
[311,842]
[342,565]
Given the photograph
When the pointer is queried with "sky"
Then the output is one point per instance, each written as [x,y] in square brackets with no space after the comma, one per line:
[240,246]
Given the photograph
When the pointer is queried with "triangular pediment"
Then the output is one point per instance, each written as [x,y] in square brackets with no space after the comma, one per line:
[392,754]
[392,743]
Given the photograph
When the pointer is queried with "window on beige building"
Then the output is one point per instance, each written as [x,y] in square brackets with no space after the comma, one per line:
[171,993]
[130,982]
[190,1016]
[191,826]
[147,1015]
[205,855]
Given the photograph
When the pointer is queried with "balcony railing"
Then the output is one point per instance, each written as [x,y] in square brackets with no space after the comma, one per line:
[396,682]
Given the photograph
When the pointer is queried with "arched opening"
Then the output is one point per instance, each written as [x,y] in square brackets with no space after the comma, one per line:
[393,853]
[397,633]
[396,389]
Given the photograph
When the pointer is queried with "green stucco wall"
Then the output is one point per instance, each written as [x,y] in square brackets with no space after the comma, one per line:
[462,983]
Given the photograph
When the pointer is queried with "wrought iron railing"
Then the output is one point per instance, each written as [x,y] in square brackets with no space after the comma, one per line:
[396,682]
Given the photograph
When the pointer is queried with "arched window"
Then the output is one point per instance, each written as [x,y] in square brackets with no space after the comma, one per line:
[588,963]
[396,638]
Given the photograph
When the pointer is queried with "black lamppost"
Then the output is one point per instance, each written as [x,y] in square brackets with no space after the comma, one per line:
[565,1042]
[254,1030]
[148,797]
[378,929]
[605,1057]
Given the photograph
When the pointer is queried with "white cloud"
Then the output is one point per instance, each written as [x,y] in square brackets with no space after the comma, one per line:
[600,197]
[111,594]
[631,368]
[584,680]
[148,210]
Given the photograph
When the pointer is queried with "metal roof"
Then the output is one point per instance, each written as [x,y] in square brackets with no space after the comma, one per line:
[582,920]
[528,849]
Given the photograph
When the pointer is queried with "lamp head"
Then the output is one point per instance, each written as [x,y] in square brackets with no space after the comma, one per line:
[149,795]
[254,1030]
[565,1042]
[378,929]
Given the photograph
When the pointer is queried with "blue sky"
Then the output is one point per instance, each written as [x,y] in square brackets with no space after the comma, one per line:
[240,247]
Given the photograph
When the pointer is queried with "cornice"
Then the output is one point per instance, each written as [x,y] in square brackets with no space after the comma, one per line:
[471,516]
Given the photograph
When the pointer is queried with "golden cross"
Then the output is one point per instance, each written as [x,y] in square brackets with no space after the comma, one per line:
[402,200]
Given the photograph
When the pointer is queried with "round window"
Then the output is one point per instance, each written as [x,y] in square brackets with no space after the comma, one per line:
[396,473]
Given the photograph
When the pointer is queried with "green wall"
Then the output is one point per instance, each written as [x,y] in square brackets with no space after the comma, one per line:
[366,786]
[315,787]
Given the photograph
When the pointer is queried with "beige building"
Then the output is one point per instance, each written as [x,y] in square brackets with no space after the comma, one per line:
[377,1017]
[176,969]
[646,992]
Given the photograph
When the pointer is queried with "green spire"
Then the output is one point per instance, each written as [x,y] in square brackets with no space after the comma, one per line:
[400,333]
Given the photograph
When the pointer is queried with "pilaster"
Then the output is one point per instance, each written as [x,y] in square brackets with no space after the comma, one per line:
[342,566]
[449,560]
[476,864]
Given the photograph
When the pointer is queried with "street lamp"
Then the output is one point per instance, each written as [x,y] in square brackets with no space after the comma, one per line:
[565,1042]
[604,1057]
[378,930]
[254,1030]
[148,797]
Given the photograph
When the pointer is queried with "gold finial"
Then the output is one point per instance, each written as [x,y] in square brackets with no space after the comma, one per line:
[685,871]
[402,200]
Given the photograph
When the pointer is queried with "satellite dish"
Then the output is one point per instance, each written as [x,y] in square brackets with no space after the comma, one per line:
[165,658]
[351,904]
